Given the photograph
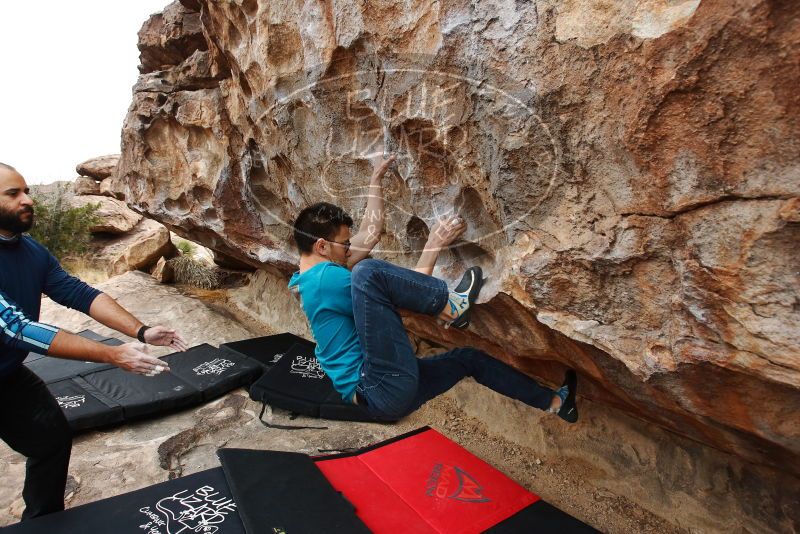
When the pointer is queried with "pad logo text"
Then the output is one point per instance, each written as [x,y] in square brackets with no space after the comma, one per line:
[198,512]
[307,367]
[216,366]
[450,482]
[71,401]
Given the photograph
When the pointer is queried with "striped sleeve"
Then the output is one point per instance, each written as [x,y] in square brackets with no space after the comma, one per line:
[20,333]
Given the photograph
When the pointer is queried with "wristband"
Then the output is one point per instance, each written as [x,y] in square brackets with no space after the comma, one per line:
[140,333]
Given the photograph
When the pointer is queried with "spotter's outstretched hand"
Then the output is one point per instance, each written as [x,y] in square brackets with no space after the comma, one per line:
[165,337]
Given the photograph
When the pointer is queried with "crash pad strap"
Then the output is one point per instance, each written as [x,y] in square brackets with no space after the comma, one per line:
[285,427]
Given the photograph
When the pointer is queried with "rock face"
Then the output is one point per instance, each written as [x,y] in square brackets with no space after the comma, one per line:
[628,171]
[99,168]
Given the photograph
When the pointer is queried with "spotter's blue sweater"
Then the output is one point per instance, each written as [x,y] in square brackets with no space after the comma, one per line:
[27,270]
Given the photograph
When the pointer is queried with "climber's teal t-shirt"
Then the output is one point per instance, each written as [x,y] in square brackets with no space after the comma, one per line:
[327,302]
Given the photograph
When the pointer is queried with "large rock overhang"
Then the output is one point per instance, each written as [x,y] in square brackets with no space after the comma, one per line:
[630,178]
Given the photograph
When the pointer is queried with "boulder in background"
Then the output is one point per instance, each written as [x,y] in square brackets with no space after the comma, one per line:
[114,216]
[99,168]
[84,185]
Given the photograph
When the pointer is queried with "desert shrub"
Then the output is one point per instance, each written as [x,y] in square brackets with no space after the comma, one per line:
[64,230]
[186,247]
[191,272]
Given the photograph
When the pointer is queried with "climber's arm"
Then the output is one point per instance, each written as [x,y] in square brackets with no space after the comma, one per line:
[369,233]
[443,234]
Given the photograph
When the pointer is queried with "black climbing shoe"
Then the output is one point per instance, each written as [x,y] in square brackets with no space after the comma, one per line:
[569,410]
[471,284]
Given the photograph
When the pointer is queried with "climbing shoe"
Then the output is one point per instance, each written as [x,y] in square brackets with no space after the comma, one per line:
[569,410]
[464,296]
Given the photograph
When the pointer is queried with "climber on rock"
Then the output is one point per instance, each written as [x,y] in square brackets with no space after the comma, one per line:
[352,303]
[31,421]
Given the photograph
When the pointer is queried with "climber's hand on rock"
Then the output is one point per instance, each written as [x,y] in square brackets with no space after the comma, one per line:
[382,165]
[446,231]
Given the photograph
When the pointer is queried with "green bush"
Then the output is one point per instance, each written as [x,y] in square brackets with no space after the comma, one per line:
[62,229]
[186,247]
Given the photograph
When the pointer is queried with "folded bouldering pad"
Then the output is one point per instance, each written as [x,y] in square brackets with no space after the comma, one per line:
[297,383]
[107,395]
[422,482]
[285,492]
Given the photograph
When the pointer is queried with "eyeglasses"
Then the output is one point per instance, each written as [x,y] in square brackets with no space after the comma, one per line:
[346,244]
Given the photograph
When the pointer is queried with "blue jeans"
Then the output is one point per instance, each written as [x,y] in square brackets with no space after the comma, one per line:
[394,382]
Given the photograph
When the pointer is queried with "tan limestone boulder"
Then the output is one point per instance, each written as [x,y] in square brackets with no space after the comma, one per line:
[138,249]
[114,217]
[84,185]
[105,189]
[163,271]
[99,168]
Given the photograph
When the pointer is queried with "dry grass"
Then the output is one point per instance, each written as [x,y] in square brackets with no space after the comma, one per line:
[191,272]
[85,270]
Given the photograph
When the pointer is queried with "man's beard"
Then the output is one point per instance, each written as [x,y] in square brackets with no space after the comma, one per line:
[11,221]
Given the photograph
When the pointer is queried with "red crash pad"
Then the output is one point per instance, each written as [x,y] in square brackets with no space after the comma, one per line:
[424,483]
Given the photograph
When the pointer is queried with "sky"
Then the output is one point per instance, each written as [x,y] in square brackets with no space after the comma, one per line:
[66,73]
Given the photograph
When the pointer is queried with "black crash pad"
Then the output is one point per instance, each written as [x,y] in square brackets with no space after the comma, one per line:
[254,492]
[51,369]
[267,350]
[297,383]
[200,374]
[195,504]
[83,405]
[140,395]
[285,492]
[211,371]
